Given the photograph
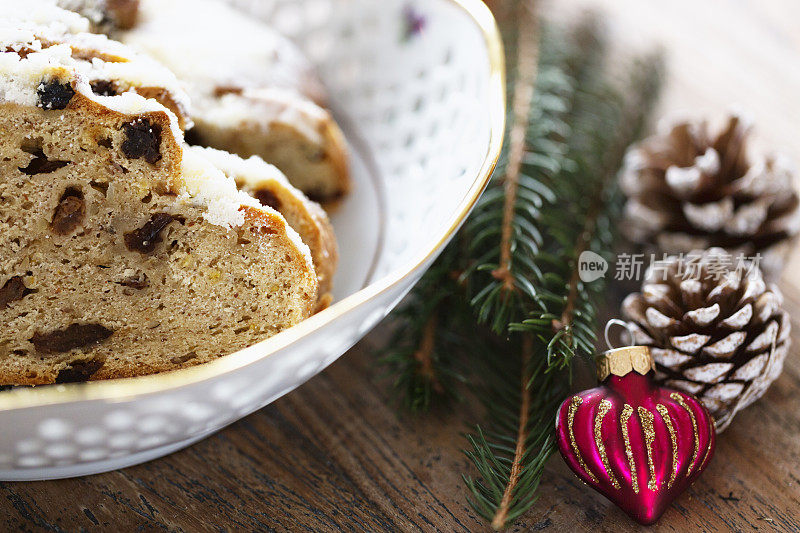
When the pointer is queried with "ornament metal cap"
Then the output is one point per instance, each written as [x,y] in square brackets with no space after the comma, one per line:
[624,360]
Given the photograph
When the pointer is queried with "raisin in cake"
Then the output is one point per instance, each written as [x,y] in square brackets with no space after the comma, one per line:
[252,91]
[271,188]
[121,252]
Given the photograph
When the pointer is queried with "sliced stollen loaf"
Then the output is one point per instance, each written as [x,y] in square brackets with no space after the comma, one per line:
[122,253]
[271,188]
[252,91]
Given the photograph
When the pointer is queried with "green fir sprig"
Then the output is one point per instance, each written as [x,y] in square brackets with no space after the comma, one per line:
[422,353]
[520,393]
[503,238]
[509,287]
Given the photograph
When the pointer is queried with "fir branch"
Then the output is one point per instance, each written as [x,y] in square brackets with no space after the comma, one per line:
[502,234]
[605,119]
[501,515]
[527,63]
[422,353]
[520,395]
[509,477]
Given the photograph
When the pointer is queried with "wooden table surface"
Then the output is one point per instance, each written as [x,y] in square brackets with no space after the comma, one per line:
[336,455]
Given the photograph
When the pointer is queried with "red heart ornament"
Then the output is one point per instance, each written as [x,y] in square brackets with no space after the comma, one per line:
[638,444]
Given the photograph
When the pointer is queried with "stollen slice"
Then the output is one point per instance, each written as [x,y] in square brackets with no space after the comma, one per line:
[271,188]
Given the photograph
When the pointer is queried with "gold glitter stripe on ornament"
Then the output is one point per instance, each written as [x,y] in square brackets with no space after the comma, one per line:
[646,418]
[673,440]
[627,411]
[602,411]
[573,408]
[708,448]
[679,399]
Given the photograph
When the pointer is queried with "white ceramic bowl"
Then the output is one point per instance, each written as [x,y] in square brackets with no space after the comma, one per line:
[418,88]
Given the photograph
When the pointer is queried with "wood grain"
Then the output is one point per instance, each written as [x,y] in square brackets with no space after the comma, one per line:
[336,455]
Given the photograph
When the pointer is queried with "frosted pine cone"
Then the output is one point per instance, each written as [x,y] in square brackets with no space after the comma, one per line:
[716,328]
[690,190]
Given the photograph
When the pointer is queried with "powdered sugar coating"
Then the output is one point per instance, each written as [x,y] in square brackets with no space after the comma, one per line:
[43,14]
[252,169]
[95,57]
[275,106]
[205,184]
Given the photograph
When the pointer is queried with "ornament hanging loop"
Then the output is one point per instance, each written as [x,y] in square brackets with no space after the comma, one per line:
[624,324]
